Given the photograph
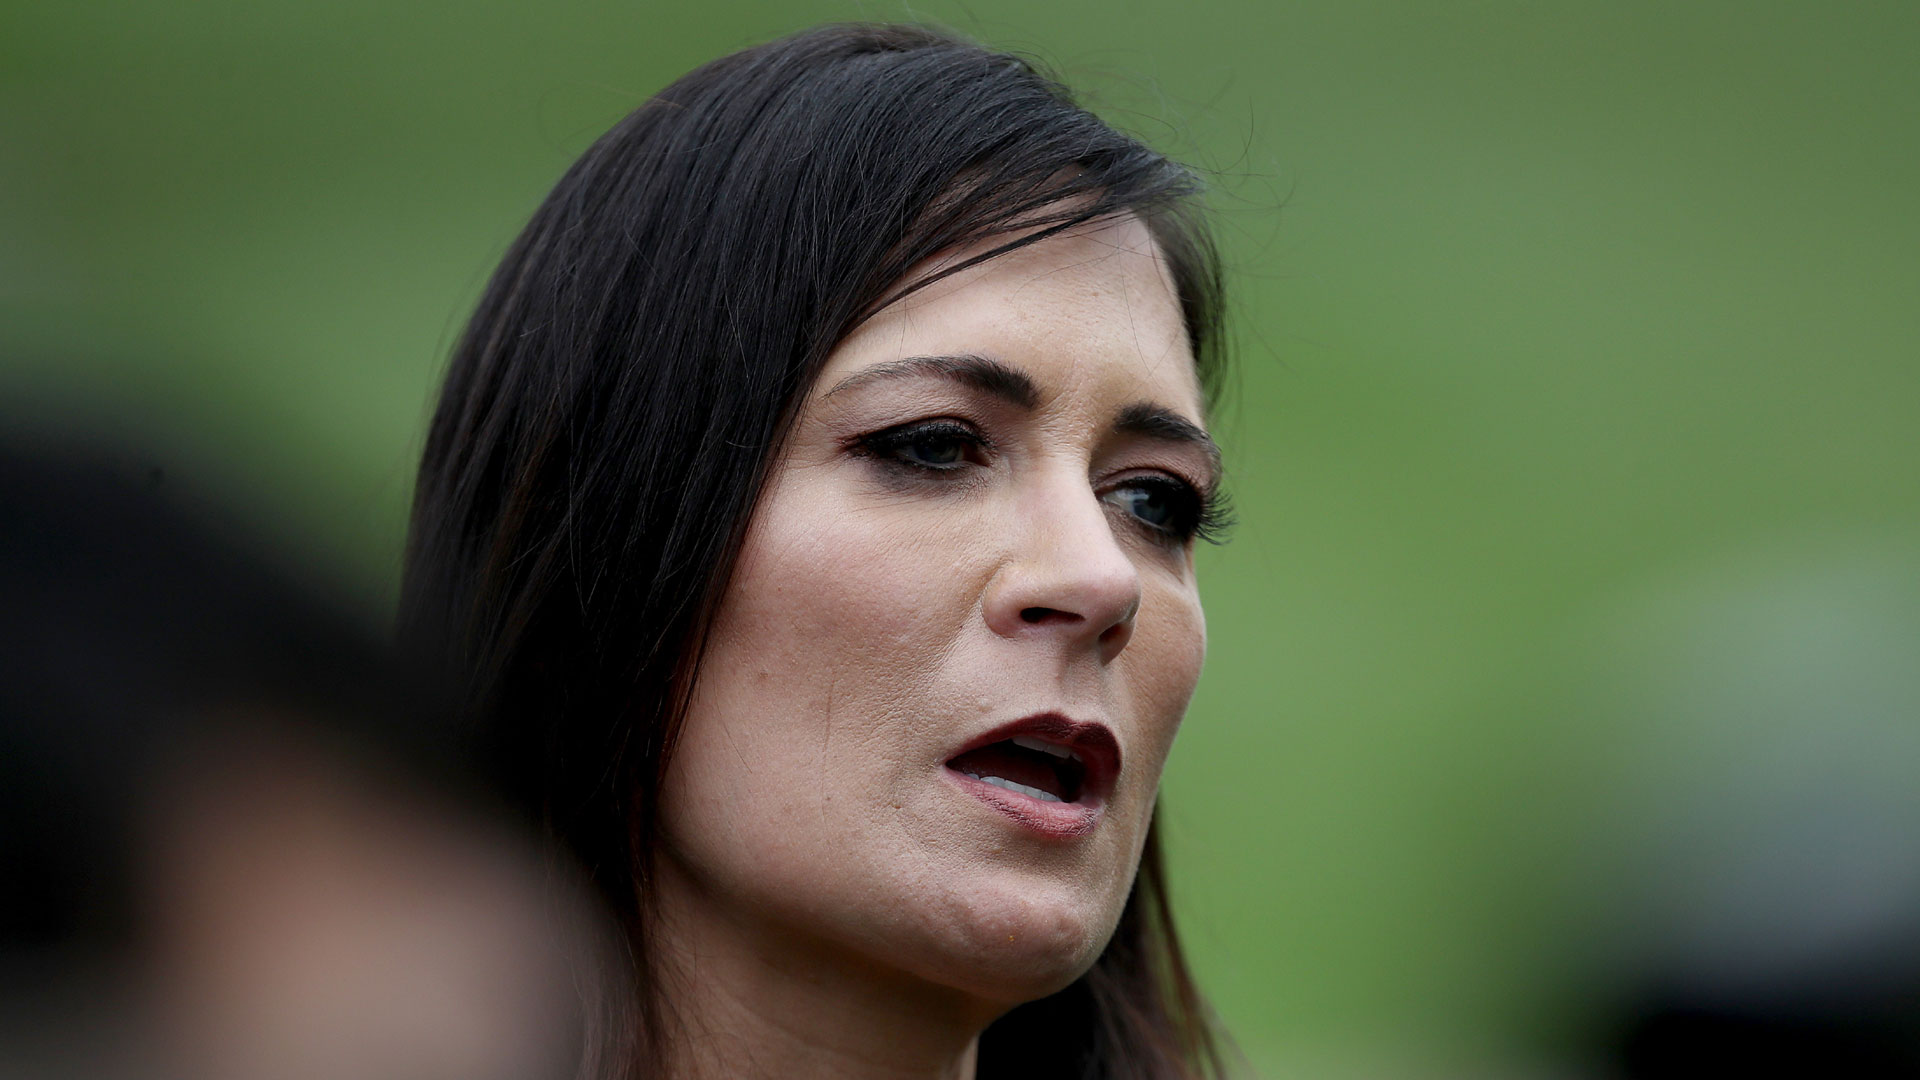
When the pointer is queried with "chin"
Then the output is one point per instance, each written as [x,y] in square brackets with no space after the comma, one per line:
[1012,942]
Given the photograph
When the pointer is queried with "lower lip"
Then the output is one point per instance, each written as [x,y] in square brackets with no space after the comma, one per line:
[1060,820]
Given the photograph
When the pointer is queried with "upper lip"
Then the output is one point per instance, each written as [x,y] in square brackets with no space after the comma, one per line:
[1092,742]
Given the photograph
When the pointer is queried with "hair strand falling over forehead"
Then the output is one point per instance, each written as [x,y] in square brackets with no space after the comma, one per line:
[612,410]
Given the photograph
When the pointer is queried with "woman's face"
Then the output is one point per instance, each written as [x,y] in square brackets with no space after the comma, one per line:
[932,717]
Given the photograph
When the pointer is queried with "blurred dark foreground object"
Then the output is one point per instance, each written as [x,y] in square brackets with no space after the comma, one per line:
[240,838]
[1854,1017]
[1752,905]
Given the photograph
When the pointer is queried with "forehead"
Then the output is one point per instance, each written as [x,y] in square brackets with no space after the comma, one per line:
[1091,315]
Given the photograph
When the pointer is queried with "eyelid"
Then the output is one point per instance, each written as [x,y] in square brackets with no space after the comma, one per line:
[1211,510]
[944,424]
[1163,473]
[891,448]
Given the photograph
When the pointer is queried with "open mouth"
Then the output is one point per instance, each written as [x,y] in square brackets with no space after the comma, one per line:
[1047,773]
[1027,766]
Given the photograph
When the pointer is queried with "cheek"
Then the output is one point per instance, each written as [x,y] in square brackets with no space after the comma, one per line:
[832,595]
[811,701]
[1160,669]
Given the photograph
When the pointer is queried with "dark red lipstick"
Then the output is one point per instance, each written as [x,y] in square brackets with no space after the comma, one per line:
[1049,773]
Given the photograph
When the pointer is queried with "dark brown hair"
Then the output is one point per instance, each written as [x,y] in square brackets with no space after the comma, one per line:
[609,418]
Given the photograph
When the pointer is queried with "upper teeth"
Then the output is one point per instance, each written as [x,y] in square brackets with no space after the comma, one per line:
[1031,743]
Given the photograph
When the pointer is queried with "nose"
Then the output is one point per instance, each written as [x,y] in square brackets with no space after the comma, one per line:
[1066,578]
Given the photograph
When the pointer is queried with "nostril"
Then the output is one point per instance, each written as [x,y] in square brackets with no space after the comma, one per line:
[1037,615]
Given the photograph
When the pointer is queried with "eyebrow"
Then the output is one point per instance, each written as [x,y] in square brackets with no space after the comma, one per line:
[1144,418]
[978,372]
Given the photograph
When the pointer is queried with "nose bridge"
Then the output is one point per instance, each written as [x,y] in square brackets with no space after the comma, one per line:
[1066,575]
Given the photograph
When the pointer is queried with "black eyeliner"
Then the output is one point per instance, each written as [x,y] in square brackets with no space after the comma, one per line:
[888,445]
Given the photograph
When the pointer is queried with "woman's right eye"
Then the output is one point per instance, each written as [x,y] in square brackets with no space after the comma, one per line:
[936,446]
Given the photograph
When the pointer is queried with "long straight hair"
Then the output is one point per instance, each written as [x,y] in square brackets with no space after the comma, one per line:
[610,415]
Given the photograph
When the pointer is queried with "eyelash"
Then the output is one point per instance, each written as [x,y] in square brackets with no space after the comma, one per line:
[1199,513]
[890,445]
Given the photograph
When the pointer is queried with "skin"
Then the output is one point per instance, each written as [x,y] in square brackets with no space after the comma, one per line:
[832,901]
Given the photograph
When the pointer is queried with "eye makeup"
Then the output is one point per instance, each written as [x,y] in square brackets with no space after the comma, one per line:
[1170,509]
[1164,507]
[938,445]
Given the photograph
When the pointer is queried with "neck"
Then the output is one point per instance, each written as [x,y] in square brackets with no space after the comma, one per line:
[745,999]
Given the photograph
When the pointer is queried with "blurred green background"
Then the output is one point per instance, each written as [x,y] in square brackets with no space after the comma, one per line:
[1574,621]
